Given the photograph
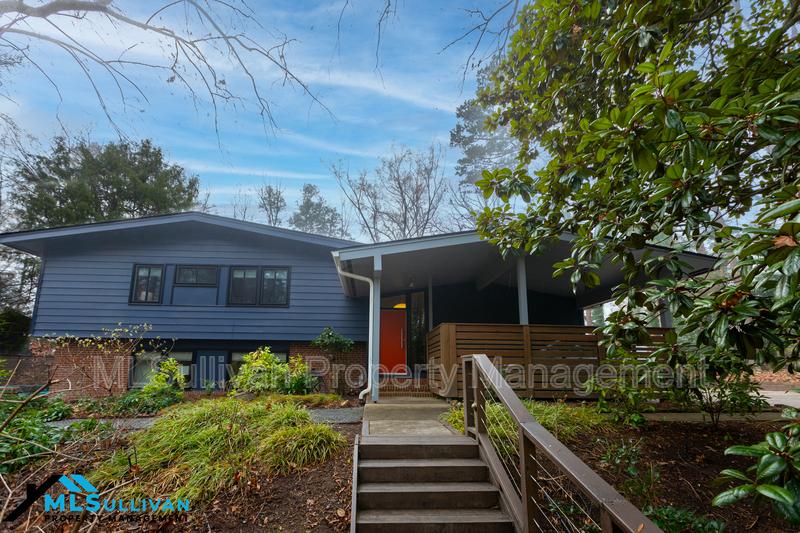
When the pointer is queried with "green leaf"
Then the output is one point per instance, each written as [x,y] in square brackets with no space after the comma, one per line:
[732,495]
[665,52]
[776,440]
[749,451]
[774,492]
[735,474]
[770,466]
[673,119]
[784,209]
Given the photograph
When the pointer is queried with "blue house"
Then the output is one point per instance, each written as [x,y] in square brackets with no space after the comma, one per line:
[218,288]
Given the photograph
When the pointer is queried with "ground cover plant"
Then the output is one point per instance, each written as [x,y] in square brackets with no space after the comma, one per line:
[564,420]
[27,435]
[197,450]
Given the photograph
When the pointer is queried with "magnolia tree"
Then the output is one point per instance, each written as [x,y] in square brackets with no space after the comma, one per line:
[663,121]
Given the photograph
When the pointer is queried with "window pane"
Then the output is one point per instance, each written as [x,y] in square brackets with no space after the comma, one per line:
[182,356]
[274,287]
[244,286]
[207,275]
[147,284]
[144,365]
[154,285]
[187,275]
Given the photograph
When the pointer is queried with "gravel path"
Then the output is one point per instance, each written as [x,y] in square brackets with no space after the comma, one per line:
[346,415]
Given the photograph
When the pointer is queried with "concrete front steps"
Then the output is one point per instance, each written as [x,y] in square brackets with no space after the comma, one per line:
[425,484]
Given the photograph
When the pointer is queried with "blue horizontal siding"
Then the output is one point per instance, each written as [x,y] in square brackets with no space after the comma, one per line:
[86,285]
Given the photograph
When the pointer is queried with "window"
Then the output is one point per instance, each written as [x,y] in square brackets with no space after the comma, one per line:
[144,365]
[237,358]
[196,275]
[259,286]
[147,284]
[244,286]
[185,360]
[274,286]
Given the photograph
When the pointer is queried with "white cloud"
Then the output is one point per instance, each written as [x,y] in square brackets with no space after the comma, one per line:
[260,172]
[411,91]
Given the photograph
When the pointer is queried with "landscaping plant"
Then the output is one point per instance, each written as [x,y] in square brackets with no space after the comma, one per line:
[263,373]
[164,388]
[661,122]
[677,520]
[775,476]
[197,450]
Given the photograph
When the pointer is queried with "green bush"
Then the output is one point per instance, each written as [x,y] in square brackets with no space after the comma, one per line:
[198,449]
[262,373]
[13,330]
[164,388]
[295,447]
[677,520]
[774,477]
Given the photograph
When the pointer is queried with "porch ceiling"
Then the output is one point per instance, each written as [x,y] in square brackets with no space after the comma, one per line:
[464,258]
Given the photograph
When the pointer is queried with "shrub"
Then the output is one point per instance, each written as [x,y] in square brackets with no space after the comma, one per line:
[677,520]
[775,476]
[197,450]
[14,327]
[295,447]
[164,388]
[332,343]
[262,373]
[737,394]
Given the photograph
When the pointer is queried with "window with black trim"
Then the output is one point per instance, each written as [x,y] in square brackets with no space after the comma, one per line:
[267,286]
[243,286]
[199,276]
[274,286]
[147,281]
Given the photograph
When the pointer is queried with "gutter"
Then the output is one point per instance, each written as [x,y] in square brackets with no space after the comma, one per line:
[368,281]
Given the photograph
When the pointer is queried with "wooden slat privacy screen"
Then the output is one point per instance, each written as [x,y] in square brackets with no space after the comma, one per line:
[541,360]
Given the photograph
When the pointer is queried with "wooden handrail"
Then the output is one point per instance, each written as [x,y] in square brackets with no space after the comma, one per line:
[616,513]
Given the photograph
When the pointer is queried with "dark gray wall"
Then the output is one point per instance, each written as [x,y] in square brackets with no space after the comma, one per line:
[86,284]
[497,304]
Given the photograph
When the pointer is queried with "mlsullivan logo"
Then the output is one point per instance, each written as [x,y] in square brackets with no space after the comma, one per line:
[76,484]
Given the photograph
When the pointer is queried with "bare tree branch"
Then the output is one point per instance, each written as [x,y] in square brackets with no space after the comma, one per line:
[187,51]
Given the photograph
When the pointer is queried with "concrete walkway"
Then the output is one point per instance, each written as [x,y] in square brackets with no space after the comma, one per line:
[782,397]
[406,417]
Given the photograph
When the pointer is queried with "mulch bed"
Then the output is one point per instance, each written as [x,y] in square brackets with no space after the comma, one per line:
[314,499]
[688,458]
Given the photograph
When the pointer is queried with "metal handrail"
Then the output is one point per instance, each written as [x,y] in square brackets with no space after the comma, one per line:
[616,513]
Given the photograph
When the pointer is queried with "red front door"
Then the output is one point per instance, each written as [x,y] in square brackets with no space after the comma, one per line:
[393,341]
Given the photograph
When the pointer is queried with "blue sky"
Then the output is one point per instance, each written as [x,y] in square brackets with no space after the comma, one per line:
[409,99]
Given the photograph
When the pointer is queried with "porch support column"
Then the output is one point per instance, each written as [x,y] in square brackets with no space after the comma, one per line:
[522,290]
[375,338]
[430,302]
[666,316]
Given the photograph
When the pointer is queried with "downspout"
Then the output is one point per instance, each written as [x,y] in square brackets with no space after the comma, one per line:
[369,282]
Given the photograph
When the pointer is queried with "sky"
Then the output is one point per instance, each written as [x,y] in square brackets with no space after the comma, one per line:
[371,99]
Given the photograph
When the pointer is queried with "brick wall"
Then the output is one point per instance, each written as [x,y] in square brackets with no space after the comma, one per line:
[84,369]
[344,373]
